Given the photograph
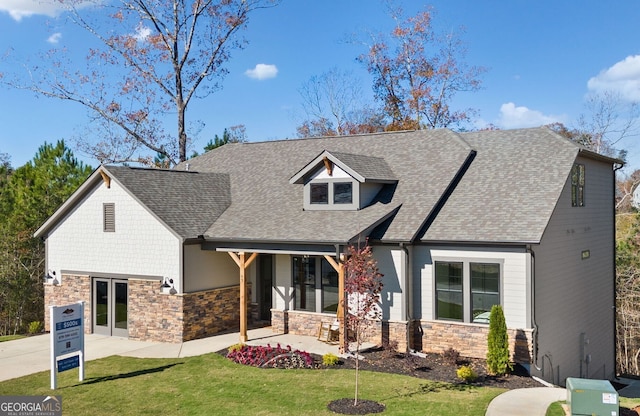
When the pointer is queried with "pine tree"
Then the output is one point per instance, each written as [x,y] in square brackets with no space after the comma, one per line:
[498,343]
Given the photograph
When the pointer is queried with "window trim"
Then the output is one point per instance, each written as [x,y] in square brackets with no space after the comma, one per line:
[467,313]
[325,200]
[335,185]
[331,205]
[319,292]
[578,180]
[109,217]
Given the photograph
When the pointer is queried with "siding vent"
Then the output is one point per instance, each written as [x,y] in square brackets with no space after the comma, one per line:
[109,217]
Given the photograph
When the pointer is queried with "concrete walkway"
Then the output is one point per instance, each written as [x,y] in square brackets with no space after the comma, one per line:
[32,354]
[525,402]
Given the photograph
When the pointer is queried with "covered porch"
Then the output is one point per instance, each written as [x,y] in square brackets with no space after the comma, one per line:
[305,280]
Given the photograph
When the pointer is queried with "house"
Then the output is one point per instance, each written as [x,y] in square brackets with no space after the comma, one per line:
[458,222]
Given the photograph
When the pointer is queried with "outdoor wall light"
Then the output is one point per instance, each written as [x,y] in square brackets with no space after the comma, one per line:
[168,284]
[51,275]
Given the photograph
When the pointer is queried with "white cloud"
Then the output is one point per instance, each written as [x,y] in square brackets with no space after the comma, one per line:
[55,38]
[623,78]
[262,71]
[142,33]
[19,9]
[512,117]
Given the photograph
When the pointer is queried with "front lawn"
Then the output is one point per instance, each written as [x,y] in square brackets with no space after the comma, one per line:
[4,338]
[211,384]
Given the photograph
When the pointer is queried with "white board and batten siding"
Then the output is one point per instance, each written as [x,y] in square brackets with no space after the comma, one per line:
[514,279]
[140,246]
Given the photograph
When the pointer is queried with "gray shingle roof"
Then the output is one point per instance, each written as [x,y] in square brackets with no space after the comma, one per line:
[241,191]
[265,206]
[510,190]
[371,168]
[187,202]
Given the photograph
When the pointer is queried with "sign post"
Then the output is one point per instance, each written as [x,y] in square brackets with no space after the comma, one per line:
[67,340]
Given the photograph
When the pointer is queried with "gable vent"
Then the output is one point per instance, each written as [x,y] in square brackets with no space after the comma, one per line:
[109,217]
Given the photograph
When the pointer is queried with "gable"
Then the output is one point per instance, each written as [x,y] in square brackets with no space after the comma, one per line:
[184,202]
[510,190]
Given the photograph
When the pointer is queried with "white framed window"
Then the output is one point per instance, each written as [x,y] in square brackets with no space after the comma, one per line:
[466,289]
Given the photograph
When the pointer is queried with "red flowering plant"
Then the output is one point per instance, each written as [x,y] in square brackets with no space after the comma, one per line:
[268,356]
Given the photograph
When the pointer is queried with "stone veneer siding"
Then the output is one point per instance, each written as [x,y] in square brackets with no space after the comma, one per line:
[470,340]
[74,288]
[308,323]
[156,316]
[160,317]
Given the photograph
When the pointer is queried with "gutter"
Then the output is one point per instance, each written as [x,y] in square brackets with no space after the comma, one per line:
[408,276]
[534,325]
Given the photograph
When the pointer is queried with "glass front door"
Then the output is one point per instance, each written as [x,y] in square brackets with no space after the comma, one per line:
[110,307]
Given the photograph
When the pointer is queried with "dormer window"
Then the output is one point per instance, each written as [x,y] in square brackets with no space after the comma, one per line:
[319,193]
[342,181]
[342,193]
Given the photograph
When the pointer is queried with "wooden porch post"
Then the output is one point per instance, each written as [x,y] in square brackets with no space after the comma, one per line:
[340,314]
[243,264]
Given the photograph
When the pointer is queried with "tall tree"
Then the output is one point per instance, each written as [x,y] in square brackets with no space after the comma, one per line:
[608,119]
[333,106]
[417,72]
[31,194]
[153,58]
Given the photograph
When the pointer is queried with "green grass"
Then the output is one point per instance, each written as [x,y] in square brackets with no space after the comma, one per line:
[10,337]
[556,409]
[210,384]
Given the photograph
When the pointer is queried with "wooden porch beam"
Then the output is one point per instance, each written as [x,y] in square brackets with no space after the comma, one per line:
[243,263]
[340,313]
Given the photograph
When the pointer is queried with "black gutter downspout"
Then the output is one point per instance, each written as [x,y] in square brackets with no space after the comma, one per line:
[445,196]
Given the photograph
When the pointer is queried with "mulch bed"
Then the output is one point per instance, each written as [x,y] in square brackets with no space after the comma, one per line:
[435,368]
[432,367]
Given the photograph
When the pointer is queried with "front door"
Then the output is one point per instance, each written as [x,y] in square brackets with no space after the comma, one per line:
[110,307]
[265,285]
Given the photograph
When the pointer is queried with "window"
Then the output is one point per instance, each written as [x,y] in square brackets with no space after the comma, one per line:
[315,285]
[319,193]
[465,291]
[342,193]
[449,291]
[109,217]
[577,185]
[485,289]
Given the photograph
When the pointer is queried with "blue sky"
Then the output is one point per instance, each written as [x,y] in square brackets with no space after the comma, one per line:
[543,57]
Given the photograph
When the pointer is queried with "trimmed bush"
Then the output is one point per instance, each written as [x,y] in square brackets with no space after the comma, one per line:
[467,374]
[498,362]
[235,347]
[330,359]
[35,327]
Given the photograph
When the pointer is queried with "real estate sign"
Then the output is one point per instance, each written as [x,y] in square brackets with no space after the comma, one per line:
[67,339]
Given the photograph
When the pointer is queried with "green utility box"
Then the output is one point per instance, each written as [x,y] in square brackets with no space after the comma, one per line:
[592,397]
